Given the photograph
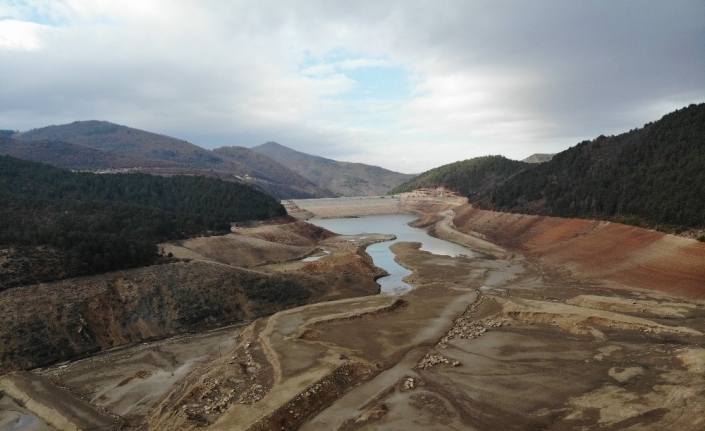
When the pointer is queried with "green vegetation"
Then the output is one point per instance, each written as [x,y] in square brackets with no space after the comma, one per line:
[99,145]
[76,157]
[57,224]
[654,176]
[473,177]
[649,177]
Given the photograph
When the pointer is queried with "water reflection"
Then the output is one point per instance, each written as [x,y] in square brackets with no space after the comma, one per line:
[381,255]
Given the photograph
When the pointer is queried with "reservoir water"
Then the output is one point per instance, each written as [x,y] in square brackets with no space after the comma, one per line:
[382,256]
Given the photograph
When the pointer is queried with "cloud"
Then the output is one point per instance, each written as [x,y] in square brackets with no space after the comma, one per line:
[407,84]
[19,35]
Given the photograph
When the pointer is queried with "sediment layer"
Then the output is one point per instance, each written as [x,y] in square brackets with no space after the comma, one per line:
[626,255]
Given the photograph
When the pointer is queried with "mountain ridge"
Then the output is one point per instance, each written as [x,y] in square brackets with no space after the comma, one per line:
[343,178]
[156,154]
[652,176]
[469,177]
[75,157]
[538,158]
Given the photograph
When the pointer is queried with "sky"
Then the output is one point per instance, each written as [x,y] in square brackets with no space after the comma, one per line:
[407,85]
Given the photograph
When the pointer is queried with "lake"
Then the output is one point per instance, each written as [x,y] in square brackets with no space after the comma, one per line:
[382,256]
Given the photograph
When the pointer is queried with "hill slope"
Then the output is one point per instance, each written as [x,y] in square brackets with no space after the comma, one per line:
[123,140]
[538,158]
[57,224]
[124,147]
[276,173]
[469,177]
[650,176]
[343,178]
[76,157]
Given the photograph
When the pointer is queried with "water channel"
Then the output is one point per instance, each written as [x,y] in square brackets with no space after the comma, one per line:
[382,256]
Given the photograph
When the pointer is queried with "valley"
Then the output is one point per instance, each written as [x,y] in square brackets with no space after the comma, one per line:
[564,324]
[352,216]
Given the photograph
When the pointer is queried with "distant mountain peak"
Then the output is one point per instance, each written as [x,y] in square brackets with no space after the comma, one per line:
[343,178]
[98,144]
[539,158]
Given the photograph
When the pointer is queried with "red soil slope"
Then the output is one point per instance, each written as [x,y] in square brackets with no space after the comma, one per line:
[592,249]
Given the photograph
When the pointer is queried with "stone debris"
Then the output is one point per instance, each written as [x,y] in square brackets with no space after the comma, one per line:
[466,328]
[432,360]
[409,383]
[214,396]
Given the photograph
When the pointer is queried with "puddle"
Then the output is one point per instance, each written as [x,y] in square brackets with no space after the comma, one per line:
[315,258]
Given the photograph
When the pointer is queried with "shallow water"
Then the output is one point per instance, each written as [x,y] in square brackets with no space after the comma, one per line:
[382,256]
[16,420]
[315,258]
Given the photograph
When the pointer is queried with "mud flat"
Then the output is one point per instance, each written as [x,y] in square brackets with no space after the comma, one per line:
[208,288]
[523,357]
[369,205]
[57,408]
[502,343]
[544,334]
[345,207]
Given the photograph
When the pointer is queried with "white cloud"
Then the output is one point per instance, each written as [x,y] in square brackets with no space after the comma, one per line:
[357,63]
[319,70]
[20,35]
[485,78]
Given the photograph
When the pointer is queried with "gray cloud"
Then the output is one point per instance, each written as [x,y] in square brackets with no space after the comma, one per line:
[507,77]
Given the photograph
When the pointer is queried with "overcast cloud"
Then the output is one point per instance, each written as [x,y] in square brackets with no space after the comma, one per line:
[407,85]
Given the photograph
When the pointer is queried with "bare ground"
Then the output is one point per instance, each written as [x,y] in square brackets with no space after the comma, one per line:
[553,331]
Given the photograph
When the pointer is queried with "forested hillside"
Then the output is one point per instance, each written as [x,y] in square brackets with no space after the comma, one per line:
[653,176]
[77,157]
[117,139]
[56,224]
[473,177]
[101,145]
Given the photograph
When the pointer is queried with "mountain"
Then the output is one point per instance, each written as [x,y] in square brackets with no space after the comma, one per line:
[99,145]
[342,178]
[538,158]
[268,169]
[116,139]
[56,224]
[651,176]
[469,177]
[75,157]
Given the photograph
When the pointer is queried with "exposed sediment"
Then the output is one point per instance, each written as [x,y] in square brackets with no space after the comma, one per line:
[51,404]
[548,345]
[626,255]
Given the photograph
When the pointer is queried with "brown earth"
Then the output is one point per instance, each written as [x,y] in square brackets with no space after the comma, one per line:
[359,206]
[525,339]
[296,233]
[625,255]
[236,250]
[435,359]
[57,321]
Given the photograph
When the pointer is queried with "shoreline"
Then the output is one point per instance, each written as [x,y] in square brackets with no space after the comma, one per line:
[465,348]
